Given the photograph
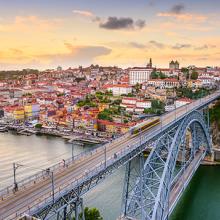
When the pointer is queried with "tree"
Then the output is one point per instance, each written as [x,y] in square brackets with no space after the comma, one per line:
[185,71]
[91,214]
[157,107]
[104,115]
[194,75]
[162,75]
[158,75]
[154,75]
[214,114]
[38,126]
[157,104]
[117,102]
[137,87]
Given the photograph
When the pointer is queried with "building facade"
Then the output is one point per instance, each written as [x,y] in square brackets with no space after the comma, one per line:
[139,75]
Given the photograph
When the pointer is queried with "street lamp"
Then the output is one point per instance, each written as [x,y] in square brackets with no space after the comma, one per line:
[105,155]
[15,167]
[72,149]
[52,181]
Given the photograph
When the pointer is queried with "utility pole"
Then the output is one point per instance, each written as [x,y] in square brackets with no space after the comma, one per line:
[51,175]
[72,152]
[52,182]
[15,167]
[15,183]
[105,155]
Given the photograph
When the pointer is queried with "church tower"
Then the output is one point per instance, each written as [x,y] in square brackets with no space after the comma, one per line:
[149,65]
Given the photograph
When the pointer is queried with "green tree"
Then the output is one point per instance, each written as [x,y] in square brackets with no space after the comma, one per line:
[185,71]
[38,126]
[154,75]
[162,75]
[214,114]
[104,115]
[91,214]
[194,75]
[157,104]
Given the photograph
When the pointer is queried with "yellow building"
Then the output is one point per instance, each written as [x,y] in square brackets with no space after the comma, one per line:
[18,114]
[28,110]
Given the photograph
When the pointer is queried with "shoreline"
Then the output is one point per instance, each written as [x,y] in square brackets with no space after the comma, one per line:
[70,137]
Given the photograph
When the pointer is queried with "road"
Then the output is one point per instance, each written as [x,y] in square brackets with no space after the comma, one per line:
[15,204]
[179,186]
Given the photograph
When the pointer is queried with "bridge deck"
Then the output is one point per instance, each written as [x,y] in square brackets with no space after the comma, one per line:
[183,181]
[35,194]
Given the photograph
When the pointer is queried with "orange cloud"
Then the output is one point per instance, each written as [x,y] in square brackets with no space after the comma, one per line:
[83,13]
[184,16]
[29,23]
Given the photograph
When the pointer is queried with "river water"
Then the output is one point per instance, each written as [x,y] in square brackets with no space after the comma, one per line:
[201,200]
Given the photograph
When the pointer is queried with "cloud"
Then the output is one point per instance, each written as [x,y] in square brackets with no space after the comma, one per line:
[151,3]
[114,23]
[16,51]
[177,9]
[137,45]
[181,46]
[30,23]
[78,55]
[157,44]
[184,16]
[83,13]
[205,47]
[140,23]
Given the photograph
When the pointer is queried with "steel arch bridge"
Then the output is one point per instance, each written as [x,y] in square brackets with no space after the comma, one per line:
[152,191]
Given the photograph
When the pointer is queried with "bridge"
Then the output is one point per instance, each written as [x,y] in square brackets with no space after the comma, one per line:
[151,191]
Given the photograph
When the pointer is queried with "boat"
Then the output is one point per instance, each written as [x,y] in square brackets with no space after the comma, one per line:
[3,129]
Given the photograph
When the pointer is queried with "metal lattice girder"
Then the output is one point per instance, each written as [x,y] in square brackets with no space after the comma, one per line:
[160,142]
[149,198]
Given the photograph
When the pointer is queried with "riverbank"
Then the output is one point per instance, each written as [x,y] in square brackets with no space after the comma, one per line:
[68,135]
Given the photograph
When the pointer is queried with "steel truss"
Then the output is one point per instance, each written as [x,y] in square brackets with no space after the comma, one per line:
[70,203]
[148,198]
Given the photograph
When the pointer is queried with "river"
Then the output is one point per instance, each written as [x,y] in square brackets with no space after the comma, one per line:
[200,201]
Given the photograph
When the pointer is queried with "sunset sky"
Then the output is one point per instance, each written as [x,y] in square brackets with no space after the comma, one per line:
[47,33]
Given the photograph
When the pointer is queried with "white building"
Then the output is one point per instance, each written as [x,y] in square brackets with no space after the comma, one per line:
[129,101]
[182,101]
[134,104]
[139,75]
[169,108]
[119,89]
[143,104]
[164,83]
[207,81]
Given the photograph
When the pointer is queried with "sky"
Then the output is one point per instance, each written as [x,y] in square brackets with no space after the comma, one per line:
[49,33]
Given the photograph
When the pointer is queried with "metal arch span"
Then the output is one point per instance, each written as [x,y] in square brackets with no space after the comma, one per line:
[157,183]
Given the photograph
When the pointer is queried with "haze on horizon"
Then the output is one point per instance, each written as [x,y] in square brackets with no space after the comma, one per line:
[47,33]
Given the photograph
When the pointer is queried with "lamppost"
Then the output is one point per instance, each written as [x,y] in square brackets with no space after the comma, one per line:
[15,167]
[105,155]
[51,175]
[72,150]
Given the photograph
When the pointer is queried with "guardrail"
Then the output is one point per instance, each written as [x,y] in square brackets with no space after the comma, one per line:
[98,168]
[41,175]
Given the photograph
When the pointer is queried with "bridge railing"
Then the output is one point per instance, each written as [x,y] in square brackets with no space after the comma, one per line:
[59,167]
[42,175]
[86,176]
